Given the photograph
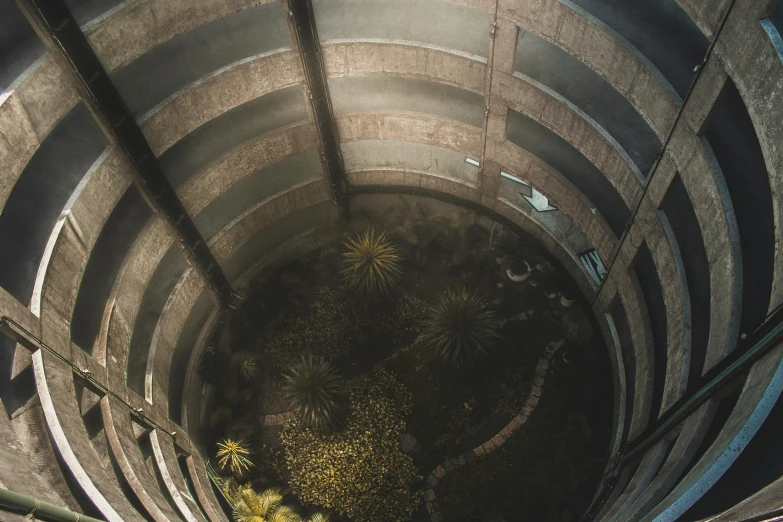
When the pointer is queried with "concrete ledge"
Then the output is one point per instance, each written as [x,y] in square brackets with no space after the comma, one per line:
[639,324]
[133,28]
[218,93]
[682,452]
[753,57]
[608,54]
[203,487]
[761,390]
[126,451]
[241,162]
[72,241]
[164,340]
[54,381]
[166,460]
[584,134]
[706,14]
[361,58]
[28,112]
[125,299]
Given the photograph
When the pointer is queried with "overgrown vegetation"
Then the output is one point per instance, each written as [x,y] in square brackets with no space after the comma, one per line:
[371,264]
[314,388]
[337,325]
[267,506]
[311,322]
[461,329]
[234,455]
[360,471]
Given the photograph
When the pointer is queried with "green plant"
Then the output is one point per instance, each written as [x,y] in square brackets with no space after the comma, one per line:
[371,264]
[247,364]
[313,389]
[461,328]
[267,506]
[360,471]
[234,455]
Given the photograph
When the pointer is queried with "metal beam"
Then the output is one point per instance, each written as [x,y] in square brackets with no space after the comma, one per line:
[303,17]
[57,27]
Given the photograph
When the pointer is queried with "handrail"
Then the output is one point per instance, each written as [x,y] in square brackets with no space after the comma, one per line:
[38,510]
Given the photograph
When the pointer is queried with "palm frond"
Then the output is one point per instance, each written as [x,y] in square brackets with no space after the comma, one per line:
[461,329]
[371,264]
[248,368]
[285,514]
[234,455]
[313,388]
[318,517]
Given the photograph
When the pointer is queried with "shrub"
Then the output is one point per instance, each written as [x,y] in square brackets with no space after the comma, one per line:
[313,389]
[267,506]
[247,364]
[371,264]
[461,329]
[234,455]
[360,471]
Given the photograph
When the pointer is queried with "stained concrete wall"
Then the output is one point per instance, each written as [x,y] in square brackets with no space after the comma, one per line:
[231,122]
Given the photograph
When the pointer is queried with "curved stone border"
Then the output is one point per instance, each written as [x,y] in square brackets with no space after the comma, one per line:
[495,442]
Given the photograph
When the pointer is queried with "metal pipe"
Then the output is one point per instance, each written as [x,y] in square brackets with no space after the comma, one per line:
[40,510]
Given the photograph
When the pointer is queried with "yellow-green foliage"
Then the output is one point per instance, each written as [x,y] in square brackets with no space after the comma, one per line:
[234,455]
[360,471]
[371,264]
[267,506]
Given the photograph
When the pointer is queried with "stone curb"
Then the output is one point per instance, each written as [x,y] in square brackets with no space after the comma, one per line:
[495,442]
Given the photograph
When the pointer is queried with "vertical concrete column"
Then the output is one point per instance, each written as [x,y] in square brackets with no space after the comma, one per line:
[304,33]
[502,49]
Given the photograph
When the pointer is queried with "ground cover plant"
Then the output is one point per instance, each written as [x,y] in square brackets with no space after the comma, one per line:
[355,370]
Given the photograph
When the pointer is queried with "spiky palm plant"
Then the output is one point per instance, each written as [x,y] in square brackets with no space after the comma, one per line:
[461,329]
[234,455]
[266,506]
[248,366]
[371,264]
[313,389]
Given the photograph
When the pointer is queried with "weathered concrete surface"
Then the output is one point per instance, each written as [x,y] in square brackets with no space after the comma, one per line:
[28,112]
[164,340]
[243,161]
[755,63]
[707,14]
[218,93]
[370,94]
[762,388]
[16,474]
[55,387]
[203,486]
[62,276]
[125,449]
[382,59]
[173,65]
[457,27]
[140,25]
[166,462]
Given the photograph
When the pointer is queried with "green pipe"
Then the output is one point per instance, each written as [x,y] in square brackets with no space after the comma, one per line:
[40,510]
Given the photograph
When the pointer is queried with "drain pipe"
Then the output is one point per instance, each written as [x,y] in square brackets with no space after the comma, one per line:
[37,510]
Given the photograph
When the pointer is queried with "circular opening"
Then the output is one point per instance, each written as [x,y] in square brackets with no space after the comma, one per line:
[395,368]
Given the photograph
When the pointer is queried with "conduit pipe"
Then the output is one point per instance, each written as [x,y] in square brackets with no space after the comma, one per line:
[37,510]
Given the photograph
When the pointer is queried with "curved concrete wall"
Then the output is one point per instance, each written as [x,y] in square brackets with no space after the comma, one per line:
[219,91]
